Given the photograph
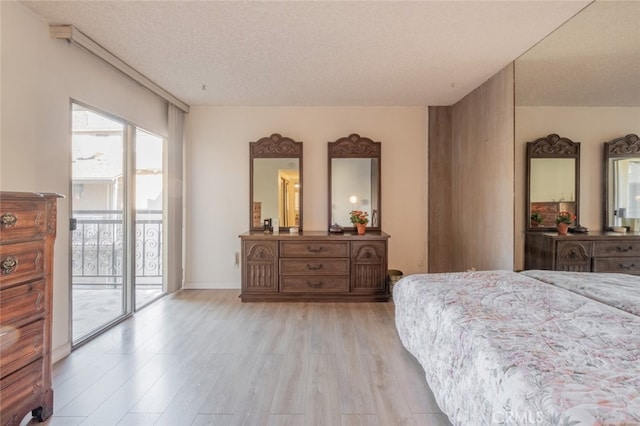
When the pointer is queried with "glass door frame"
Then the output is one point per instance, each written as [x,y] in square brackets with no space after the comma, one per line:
[129,225]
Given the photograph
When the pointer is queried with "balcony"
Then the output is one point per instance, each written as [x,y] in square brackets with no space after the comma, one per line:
[98,265]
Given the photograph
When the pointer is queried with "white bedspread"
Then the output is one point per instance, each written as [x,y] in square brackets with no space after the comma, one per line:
[499,347]
[619,290]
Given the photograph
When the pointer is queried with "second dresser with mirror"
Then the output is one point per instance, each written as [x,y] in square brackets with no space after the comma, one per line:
[291,263]
[606,250]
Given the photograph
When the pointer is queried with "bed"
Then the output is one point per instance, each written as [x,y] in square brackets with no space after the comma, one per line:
[501,347]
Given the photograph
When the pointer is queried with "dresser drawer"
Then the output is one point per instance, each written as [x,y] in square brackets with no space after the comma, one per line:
[21,262]
[22,303]
[314,249]
[20,346]
[315,284]
[616,248]
[317,266]
[20,220]
[625,265]
[19,386]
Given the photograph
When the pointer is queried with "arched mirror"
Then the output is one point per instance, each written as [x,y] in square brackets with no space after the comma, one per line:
[553,181]
[354,180]
[275,183]
[622,183]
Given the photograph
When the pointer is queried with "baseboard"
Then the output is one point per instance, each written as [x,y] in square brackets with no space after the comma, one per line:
[211,286]
[60,352]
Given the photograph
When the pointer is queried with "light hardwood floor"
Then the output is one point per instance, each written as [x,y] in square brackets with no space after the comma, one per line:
[201,357]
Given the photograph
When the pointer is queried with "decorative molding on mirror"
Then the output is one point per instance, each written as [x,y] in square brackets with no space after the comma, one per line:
[624,146]
[553,146]
[619,154]
[354,146]
[276,145]
[553,181]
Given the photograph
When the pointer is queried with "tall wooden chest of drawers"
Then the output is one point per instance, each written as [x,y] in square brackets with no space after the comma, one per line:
[27,233]
[314,266]
[590,252]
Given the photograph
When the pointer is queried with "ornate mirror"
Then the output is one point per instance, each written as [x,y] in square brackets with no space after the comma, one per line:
[621,195]
[354,180]
[275,182]
[553,181]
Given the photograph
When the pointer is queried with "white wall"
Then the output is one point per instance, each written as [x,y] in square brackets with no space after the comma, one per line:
[39,77]
[218,178]
[591,126]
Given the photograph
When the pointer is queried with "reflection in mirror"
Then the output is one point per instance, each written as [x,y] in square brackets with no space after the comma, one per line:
[360,191]
[622,183]
[276,195]
[553,169]
[354,180]
[276,182]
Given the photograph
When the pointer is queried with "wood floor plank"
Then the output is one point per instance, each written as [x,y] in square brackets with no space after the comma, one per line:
[226,391]
[184,407]
[360,420]
[257,395]
[287,420]
[119,403]
[323,404]
[290,394]
[391,406]
[354,384]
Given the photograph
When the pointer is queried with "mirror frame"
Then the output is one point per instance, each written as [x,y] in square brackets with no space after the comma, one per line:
[356,146]
[274,146]
[551,146]
[625,147]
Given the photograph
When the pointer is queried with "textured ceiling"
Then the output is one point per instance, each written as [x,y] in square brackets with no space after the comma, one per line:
[314,52]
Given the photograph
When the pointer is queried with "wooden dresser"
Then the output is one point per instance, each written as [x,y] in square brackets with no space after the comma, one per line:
[314,266]
[27,233]
[590,252]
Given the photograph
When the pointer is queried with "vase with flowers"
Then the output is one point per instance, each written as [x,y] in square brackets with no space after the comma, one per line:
[563,220]
[359,219]
[536,218]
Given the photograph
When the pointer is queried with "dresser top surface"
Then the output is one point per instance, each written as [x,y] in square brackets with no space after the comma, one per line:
[316,235]
[591,235]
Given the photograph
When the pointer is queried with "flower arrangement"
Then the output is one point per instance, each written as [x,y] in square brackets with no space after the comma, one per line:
[536,217]
[358,216]
[565,217]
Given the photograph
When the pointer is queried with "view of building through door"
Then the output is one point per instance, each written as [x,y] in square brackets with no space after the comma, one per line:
[115,266]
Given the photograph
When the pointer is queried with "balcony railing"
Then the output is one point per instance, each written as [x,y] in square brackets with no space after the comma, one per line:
[97,248]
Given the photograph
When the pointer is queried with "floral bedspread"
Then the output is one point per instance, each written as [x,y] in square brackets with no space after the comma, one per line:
[499,347]
[619,290]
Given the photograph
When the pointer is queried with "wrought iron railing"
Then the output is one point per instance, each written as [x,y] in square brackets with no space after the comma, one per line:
[97,247]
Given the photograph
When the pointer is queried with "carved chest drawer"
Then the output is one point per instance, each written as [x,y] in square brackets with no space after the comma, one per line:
[591,252]
[27,233]
[314,266]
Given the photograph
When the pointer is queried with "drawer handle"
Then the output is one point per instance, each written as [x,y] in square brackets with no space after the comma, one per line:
[632,266]
[314,249]
[314,267]
[9,264]
[8,220]
[314,284]
[624,250]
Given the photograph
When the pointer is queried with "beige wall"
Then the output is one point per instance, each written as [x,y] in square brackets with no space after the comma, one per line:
[39,76]
[218,178]
[480,228]
[591,126]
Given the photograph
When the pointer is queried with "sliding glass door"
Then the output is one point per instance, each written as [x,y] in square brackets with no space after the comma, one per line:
[117,221]
[148,218]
